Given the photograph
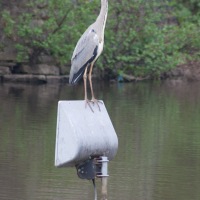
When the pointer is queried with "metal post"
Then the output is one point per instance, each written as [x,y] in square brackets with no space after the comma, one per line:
[104,176]
[104,189]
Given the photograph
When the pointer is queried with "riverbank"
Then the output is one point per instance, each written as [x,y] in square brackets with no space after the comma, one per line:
[35,79]
[47,71]
[31,34]
[189,71]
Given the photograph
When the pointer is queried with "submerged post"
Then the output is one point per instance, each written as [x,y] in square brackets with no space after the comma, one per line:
[104,177]
[86,140]
[104,189]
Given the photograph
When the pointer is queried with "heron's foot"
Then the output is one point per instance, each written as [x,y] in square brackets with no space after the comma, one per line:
[96,101]
[87,102]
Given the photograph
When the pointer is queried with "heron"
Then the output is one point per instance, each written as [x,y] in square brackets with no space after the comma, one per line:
[88,48]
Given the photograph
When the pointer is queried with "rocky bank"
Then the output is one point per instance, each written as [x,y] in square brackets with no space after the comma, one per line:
[46,70]
[189,71]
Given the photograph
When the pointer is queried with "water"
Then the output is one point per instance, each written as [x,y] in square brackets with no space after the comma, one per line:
[158,126]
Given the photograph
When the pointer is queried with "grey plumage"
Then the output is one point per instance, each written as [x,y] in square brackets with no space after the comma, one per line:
[89,46]
[84,53]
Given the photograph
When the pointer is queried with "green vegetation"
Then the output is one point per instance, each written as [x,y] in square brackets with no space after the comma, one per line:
[142,38]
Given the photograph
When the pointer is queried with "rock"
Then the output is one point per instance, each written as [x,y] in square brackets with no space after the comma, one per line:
[24,78]
[40,69]
[48,69]
[4,70]
[64,70]
[126,77]
[7,63]
[29,78]
[38,79]
[130,78]
[46,59]
[190,71]
[8,56]
[176,72]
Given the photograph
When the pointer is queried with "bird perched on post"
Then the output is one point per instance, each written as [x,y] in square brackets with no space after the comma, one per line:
[88,49]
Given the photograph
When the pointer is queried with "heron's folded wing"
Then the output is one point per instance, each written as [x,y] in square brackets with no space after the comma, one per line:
[84,53]
[88,41]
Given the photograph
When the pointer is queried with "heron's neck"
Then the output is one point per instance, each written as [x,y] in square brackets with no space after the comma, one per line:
[101,19]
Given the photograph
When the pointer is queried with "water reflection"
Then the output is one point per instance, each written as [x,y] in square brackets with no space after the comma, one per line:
[159,142]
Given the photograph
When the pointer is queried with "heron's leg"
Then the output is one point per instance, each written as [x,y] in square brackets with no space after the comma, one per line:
[85,82]
[90,80]
[85,89]
[94,100]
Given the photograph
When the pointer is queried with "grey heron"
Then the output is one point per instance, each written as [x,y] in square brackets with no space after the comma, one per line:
[87,50]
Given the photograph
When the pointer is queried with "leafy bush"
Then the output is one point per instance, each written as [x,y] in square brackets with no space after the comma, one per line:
[43,27]
[142,37]
[147,37]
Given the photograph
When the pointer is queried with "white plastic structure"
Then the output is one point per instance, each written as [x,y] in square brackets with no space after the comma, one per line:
[82,133]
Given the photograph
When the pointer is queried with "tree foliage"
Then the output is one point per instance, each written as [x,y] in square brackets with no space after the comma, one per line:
[141,38]
[149,37]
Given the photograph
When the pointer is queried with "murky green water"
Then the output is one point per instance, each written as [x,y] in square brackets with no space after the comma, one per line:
[158,125]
